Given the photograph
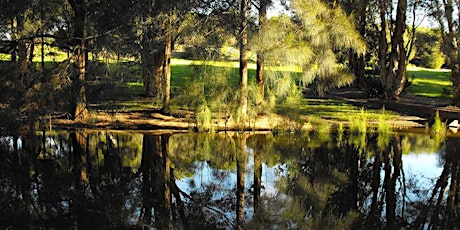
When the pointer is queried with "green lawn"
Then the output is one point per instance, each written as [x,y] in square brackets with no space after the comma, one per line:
[429,82]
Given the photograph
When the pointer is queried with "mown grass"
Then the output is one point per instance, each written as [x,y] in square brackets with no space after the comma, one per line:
[430,82]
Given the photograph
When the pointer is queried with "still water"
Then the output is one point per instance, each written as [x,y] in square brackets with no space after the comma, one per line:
[125,180]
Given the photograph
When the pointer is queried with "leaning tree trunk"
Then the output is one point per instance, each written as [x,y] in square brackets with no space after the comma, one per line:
[243,40]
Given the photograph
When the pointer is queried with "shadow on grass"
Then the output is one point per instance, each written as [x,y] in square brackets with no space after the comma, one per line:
[430,83]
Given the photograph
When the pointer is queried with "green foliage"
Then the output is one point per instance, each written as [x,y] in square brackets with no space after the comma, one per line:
[212,91]
[428,45]
[311,41]
[438,126]
[33,97]
[204,118]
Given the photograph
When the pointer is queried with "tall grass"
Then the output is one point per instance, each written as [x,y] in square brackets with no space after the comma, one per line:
[438,126]
[358,122]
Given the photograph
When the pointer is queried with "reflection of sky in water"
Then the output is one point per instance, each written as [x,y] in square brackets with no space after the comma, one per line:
[425,165]
[205,175]
[421,170]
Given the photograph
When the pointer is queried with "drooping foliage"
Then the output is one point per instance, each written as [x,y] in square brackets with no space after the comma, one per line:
[310,40]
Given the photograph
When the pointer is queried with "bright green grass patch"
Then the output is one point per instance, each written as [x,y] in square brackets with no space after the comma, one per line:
[429,82]
[330,109]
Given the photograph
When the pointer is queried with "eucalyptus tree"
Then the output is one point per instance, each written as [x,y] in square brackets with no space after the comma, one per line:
[448,17]
[393,51]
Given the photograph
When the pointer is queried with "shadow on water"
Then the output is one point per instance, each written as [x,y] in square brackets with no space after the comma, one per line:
[115,180]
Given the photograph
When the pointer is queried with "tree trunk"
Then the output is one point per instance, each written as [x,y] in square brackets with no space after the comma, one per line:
[14,30]
[243,40]
[357,65]
[166,82]
[455,78]
[22,50]
[260,56]
[78,104]
[148,72]
[393,65]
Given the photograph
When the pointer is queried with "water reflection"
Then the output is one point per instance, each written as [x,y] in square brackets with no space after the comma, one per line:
[101,180]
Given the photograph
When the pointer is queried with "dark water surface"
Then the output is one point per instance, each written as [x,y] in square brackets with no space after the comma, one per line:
[125,180]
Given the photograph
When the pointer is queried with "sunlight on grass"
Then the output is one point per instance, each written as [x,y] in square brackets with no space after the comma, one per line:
[429,82]
[330,109]
[5,57]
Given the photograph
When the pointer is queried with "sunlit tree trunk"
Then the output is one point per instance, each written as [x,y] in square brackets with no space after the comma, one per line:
[78,102]
[166,83]
[243,41]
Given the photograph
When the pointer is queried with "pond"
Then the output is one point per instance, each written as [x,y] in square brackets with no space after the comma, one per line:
[126,180]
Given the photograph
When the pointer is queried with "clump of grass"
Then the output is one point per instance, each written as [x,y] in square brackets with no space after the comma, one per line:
[320,125]
[383,125]
[358,123]
[204,118]
[438,126]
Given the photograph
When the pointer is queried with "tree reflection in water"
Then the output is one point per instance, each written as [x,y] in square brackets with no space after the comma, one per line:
[115,180]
